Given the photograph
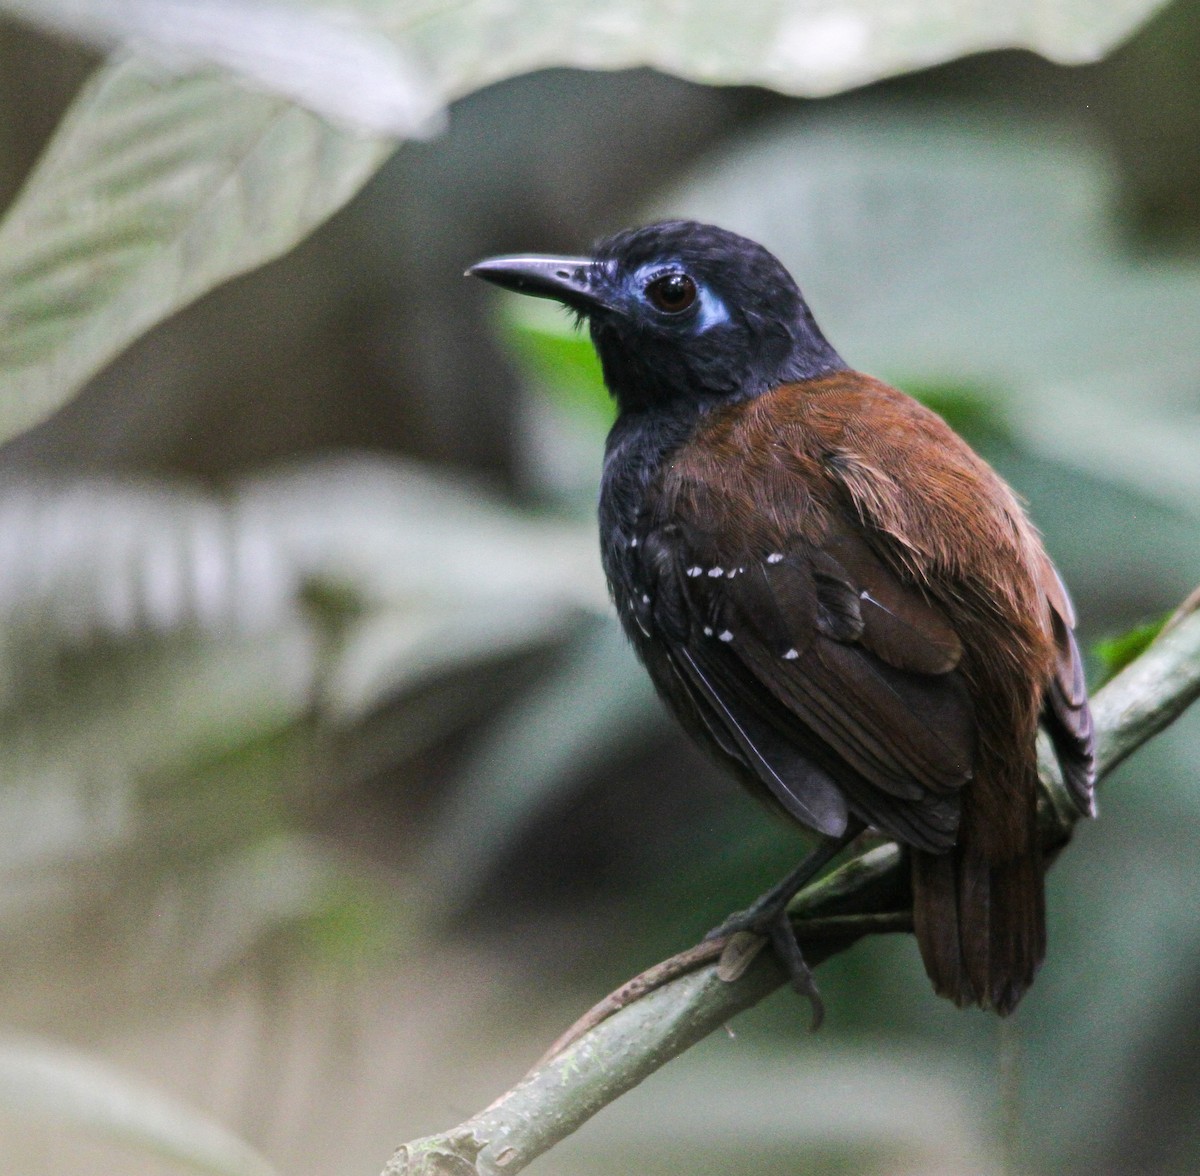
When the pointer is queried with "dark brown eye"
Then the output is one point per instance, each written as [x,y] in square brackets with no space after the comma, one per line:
[672,292]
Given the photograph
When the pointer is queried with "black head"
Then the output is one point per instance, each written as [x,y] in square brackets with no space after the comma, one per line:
[681,313]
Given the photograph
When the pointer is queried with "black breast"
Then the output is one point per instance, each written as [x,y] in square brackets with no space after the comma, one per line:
[638,446]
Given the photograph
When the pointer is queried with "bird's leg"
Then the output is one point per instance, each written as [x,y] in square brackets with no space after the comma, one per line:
[767,916]
[765,909]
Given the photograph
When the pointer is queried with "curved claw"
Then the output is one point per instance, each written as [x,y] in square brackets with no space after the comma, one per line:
[783,940]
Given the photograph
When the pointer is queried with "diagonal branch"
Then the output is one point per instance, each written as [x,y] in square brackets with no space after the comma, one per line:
[683,1000]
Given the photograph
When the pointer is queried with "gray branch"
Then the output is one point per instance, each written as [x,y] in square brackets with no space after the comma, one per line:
[865,896]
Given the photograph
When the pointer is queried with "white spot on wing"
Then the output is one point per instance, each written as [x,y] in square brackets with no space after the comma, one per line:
[725,635]
[645,598]
[707,631]
[775,557]
[791,655]
[696,571]
[714,572]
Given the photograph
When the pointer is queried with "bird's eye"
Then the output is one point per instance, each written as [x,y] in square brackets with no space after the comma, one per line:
[672,293]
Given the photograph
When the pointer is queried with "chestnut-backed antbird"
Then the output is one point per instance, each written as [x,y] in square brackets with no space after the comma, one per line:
[834,594]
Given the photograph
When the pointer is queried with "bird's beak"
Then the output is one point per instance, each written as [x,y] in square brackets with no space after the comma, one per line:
[574,281]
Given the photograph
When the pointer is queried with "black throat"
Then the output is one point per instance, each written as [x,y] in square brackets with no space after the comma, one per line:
[639,443]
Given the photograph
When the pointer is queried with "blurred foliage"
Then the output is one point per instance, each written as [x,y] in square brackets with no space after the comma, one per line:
[265,740]
[1115,653]
[331,60]
[978,414]
[1008,230]
[560,361]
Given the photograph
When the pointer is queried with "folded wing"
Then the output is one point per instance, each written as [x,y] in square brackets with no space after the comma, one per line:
[828,679]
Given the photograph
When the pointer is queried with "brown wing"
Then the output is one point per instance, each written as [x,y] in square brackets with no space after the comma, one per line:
[812,664]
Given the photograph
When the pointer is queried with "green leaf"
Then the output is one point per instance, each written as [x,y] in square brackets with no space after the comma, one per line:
[1115,653]
[71,1090]
[978,414]
[155,189]
[558,359]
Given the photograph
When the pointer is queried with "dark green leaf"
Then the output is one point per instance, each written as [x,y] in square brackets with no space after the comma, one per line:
[559,362]
[975,413]
[1115,653]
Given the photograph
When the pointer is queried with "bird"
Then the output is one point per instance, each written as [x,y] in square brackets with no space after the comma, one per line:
[837,598]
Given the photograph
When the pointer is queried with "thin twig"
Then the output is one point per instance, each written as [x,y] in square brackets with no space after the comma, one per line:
[641,985]
[833,927]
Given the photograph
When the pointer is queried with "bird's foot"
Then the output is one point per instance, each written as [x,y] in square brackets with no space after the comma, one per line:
[748,933]
[766,921]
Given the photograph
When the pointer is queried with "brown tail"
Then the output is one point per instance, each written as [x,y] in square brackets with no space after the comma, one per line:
[979,911]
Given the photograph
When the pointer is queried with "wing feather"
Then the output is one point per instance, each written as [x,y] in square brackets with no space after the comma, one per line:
[830,678]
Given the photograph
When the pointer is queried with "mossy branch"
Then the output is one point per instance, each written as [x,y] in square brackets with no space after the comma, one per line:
[674,1005]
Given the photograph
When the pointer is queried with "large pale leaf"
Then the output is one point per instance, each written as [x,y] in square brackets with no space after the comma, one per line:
[73,1091]
[159,187]
[810,47]
[326,60]
[155,189]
